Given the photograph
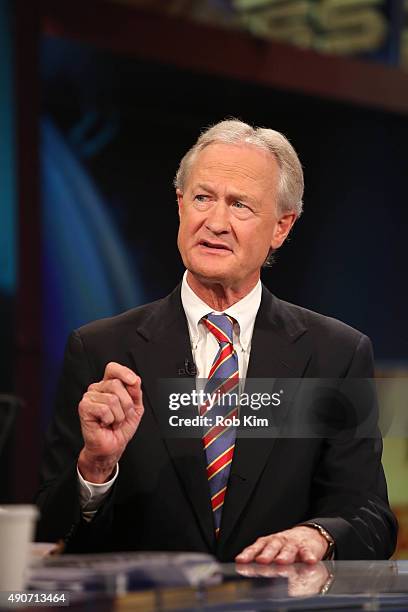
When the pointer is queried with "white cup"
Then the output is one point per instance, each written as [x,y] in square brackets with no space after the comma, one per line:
[16,533]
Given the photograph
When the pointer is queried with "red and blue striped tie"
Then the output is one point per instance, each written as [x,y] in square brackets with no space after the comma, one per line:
[219,440]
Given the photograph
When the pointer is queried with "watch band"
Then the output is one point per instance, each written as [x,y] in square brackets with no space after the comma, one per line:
[323,532]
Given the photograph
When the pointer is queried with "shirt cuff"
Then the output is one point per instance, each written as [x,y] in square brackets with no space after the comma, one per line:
[91,495]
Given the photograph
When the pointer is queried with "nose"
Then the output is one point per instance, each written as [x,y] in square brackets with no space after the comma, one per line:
[217,220]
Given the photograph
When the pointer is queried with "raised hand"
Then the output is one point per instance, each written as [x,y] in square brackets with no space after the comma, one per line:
[110,412]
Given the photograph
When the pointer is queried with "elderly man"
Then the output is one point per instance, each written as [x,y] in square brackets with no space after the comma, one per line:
[112,480]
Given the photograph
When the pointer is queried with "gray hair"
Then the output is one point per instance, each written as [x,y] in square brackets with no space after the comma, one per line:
[233,131]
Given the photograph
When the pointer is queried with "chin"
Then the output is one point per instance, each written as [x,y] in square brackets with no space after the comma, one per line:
[209,272]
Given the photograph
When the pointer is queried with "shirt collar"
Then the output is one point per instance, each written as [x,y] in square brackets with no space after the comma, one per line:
[244,311]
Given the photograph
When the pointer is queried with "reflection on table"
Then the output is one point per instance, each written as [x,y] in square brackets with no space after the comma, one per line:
[192,582]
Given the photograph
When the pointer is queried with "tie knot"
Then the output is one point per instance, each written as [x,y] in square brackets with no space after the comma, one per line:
[221,326]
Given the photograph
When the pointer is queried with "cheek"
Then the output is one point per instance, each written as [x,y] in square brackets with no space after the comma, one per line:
[256,241]
[267,233]
[190,223]
[186,233]
[252,236]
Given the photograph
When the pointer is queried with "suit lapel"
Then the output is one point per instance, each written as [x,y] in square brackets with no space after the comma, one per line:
[280,349]
[166,350]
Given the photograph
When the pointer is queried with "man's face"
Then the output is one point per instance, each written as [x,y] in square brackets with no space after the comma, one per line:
[228,214]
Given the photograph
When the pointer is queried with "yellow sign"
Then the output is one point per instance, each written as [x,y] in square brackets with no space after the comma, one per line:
[334,26]
[342,27]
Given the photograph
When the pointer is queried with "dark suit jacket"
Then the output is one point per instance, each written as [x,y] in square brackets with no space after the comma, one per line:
[161,500]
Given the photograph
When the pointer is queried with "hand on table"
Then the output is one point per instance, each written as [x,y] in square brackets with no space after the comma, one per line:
[110,412]
[299,544]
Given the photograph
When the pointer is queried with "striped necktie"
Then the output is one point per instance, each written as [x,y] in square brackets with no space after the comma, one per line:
[219,440]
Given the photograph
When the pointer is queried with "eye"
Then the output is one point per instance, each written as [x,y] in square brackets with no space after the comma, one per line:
[202,201]
[241,210]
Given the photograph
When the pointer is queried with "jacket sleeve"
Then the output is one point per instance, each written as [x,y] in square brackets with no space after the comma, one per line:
[349,496]
[58,497]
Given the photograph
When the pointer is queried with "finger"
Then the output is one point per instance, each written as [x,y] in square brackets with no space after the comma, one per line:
[135,391]
[116,370]
[287,554]
[113,402]
[250,552]
[131,407]
[306,555]
[117,388]
[270,551]
[134,416]
[96,412]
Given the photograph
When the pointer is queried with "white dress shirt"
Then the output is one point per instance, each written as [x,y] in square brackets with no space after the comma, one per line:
[204,347]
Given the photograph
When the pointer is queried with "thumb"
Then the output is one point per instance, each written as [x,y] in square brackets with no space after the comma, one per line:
[134,416]
[135,392]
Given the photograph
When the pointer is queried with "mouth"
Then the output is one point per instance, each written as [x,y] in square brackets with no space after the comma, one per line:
[214,246]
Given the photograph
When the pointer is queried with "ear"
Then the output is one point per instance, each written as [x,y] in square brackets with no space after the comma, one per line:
[180,201]
[282,229]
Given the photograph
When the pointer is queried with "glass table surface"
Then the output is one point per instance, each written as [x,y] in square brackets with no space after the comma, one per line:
[195,582]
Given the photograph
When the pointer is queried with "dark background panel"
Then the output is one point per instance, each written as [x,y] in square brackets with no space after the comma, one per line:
[107,98]
[345,256]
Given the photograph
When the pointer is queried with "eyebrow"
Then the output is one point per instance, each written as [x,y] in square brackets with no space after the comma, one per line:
[204,187]
[235,194]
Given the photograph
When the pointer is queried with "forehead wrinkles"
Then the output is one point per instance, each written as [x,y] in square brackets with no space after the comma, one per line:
[230,170]
[255,174]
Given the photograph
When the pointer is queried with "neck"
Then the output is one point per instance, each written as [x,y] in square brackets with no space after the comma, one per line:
[218,295]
